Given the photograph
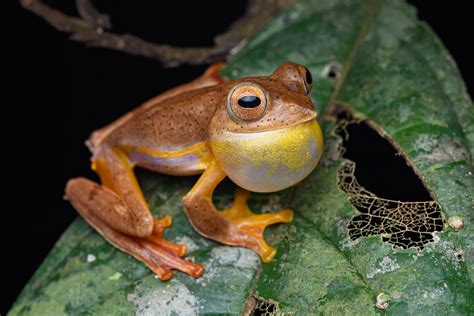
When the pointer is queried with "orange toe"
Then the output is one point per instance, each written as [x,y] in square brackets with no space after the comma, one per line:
[163,256]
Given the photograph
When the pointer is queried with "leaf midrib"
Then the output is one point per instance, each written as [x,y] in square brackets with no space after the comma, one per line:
[371,8]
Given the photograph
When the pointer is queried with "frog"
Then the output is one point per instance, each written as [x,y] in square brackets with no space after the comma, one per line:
[260,132]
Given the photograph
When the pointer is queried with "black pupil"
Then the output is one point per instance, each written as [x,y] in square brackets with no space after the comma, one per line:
[309,78]
[249,101]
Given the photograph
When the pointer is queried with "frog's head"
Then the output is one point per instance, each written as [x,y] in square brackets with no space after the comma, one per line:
[265,136]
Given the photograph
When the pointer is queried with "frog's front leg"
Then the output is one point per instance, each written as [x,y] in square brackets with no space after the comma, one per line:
[118,211]
[237,225]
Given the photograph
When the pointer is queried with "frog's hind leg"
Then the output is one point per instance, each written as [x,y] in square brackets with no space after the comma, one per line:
[237,225]
[118,211]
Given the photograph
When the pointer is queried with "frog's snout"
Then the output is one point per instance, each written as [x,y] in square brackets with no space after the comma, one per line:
[272,160]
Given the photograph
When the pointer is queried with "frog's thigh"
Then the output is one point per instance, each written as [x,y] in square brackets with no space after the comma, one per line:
[118,201]
[95,202]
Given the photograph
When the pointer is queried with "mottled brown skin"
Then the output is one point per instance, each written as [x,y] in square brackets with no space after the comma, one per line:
[170,134]
[185,118]
[156,114]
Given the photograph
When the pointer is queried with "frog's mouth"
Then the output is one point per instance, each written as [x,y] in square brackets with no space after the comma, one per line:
[301,115]
[269,161]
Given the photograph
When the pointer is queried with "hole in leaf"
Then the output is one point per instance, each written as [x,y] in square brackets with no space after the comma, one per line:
[380,168]
[460,256]
[332,70]
[392,200]
[264,307]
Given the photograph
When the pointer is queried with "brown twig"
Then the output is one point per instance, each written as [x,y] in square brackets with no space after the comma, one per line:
[90,31]
[89,13]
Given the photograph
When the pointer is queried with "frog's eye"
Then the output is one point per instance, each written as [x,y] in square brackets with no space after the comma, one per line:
[308,79]
[247,102]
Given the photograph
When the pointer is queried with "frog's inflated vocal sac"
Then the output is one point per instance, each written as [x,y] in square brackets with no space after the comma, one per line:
[260,132]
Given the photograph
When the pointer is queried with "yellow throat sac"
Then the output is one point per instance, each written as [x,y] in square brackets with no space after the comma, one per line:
[272,160]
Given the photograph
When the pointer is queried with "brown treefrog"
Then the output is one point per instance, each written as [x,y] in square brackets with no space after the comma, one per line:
[261,132]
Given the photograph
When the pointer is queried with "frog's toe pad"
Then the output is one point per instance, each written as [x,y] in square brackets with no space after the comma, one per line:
[253,225]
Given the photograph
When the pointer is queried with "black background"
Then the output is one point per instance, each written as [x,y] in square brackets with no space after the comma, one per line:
[67,90]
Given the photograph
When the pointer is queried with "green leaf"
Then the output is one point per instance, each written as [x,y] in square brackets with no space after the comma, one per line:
[391,70]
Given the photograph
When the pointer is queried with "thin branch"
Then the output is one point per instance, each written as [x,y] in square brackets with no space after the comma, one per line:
[89,13]
[90,31]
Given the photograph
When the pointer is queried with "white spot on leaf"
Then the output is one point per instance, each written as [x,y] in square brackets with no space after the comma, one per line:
[448,150]
[191,246]
[426,142]
[456,222]
[228,256]
[386,265]
[175,299]
[238,257]
[91,258]
[434,294]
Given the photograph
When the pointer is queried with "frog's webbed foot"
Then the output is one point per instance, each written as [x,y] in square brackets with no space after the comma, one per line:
[236,226]
[95,203]
[253,224]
